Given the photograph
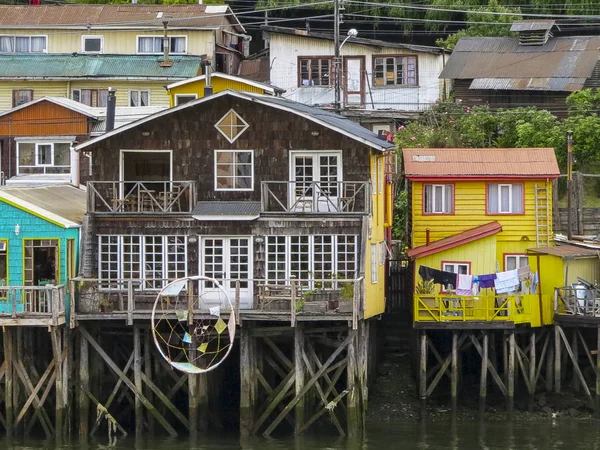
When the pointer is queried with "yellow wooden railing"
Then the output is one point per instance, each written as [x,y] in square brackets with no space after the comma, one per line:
[519,309]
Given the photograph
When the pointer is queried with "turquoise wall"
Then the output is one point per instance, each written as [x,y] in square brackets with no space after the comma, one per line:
[32,227]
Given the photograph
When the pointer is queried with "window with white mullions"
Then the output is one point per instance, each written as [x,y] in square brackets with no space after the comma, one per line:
[346,256]
[320,171]
[139,97]
[176,257]
[44,157]
[108,254]
[323,264]
[132,257]
[460,268]
[300,267]
[505,198]
[213,252]
[438,198]
[234,170]
[512,262]
[239,261]
[277,260]
[154,262]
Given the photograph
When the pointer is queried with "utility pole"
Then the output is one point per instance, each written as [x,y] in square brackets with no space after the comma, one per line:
[337,62]
[569,184]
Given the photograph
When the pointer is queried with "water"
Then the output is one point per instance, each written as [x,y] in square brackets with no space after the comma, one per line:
[442,435]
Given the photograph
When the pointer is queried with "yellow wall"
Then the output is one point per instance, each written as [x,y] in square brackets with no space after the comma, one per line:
[470,211]
[199,42]
[158,94]
[375,292]
[218,84]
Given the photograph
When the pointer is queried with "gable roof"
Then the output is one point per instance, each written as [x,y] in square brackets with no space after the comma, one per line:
[190,16]
[353,40]
[561,64]
[62,205]
[457,240]
[59,66]
[60,101]
[568,251]
[325,118]
[266,87]
[473,163]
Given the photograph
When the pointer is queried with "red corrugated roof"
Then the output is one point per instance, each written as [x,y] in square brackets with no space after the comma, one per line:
[465,237]
[480,162]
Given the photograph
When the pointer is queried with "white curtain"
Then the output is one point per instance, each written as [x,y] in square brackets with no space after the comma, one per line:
[178,45]
[505,198]
[22,44]
[38,44]
[145,45]
[7,44]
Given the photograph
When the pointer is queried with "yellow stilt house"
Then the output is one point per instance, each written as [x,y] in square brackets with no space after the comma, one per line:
[474,215]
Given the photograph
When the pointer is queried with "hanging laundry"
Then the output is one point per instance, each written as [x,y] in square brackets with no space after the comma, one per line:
[464,284]
[535,279]
[486,281]
[523,273]
[507,281]
[438,276]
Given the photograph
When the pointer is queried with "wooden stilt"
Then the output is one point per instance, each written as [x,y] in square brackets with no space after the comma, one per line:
[84,382]
[137,376]
[483,375]
[575,349]
[353,398]
[8,386]
[57,351]
[557,358]
[511,371]
[148,373]
[454,371]
[193,397]
[67,380]
[549,363]
[204,415]
[299,374]
[247,381]
[532,369]
[576,368]
[598,371]
[423,368]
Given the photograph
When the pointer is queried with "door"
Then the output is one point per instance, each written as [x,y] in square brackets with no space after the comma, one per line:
[227,260]
[315,177]
[354,81]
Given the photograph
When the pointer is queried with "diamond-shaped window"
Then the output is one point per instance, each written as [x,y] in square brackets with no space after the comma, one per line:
[231,125]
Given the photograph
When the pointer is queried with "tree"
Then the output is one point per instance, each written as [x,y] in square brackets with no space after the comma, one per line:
[484,24]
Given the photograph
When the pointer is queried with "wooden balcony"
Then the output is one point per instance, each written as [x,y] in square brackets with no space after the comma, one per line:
[290,301]
[141,197]
[490,310]
[331,197]
[577,301]
[33,305]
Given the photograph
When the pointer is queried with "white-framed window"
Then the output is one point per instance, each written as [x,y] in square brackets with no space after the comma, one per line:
[180,99]
[512,262]
[227,259]
[231,125]
[374,265]
[438,199]
[317,261]
[90,97]
[457,267]
[154,259]
[152,45]
[400,70]
[234,170]
[23,44]
[43,157]
[92,44]
[139,97]
[505,198]
[320,171]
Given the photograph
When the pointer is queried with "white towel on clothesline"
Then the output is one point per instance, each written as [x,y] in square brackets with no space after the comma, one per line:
[464,285]
[507,281]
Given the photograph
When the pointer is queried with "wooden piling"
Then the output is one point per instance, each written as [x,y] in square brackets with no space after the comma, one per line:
[483,375]
[532,369]
[299,375]
[84,382]
[575,349]
[549,365]
[511,371]
[597,404]
[423,368]
[557,358]
[148,372]
[137,376]
[454,372]
[193,398]
[55,334]
[247,380]
[8,377]
[353,398]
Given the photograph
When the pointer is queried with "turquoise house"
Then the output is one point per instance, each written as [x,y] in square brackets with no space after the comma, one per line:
[39,241]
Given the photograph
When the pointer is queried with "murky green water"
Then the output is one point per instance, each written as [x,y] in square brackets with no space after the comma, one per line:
[443,435]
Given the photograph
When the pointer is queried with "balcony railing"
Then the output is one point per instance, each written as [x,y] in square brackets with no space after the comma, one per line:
[577,301]
[519,309]
[141,197]
[293,197]
[33,302]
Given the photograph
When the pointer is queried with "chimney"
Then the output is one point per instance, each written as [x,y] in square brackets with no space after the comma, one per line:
[533,32]
[166,62]
[208,90]
[110,109]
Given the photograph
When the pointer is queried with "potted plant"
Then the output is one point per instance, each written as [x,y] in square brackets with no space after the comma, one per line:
[106,305]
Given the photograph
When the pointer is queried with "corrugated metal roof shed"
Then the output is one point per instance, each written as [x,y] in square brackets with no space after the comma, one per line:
[102,16]
[532,25]
[67,66]
[530,84]
[567,251]
[480,162]
[569,58]
[217,210]
[449,242]
[64,203]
